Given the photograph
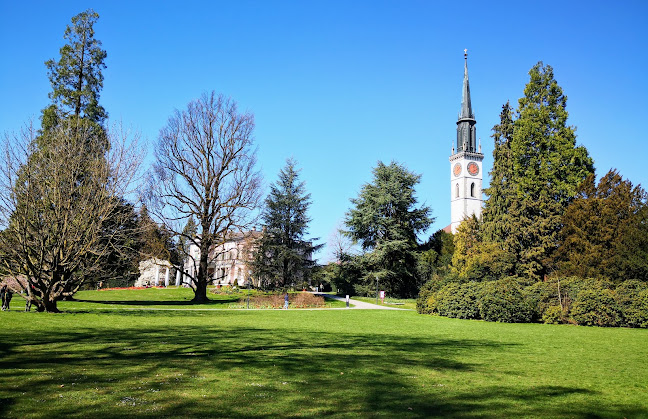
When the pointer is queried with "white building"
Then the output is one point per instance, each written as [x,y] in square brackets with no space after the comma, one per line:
[227,263]
[466,163]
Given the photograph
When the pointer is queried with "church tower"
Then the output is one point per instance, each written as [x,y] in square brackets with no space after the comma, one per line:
[465,163]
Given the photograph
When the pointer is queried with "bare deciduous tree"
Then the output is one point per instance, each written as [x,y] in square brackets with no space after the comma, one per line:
[61,204]
[205,169]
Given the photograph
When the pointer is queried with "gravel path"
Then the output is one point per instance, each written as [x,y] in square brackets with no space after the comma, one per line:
[360,304]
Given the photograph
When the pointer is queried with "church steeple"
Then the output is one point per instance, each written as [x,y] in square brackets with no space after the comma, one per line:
[465,162]
[466,132]
[466,106]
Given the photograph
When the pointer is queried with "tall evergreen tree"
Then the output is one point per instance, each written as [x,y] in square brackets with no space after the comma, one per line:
[76,78]
[497,222]
[548,167]
[605,233]
[385,221]
[284,254]
[536,172]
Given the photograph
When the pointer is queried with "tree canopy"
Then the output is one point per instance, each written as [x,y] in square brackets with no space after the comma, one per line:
[385,221]
[76,77]
[536,172]
[205,169]
[283,257]
[605,231]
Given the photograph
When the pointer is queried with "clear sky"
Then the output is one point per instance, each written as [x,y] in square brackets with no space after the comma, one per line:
[340,85]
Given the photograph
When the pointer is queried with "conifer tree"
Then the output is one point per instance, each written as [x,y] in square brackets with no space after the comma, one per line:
[605,233]
[496,222]
[76,78]
[284,254]
[188,234]
[547,167]
[536,171]
[386,221]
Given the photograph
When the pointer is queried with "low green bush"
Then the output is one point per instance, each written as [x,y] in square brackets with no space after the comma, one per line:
[636,313]
[553,315]
[459,300]
[596,307]
[503,301]
[590,302]
[426,301]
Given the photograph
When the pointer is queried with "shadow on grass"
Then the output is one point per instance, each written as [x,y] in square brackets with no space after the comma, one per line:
[161,302]
[228,370]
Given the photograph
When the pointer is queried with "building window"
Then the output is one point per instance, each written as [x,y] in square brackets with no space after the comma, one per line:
[472,189]
[457,190]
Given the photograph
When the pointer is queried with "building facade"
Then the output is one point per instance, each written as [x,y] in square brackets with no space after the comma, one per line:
[228,261]
[465,163]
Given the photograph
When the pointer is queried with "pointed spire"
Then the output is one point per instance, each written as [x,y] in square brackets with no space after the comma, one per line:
[466,134]
[466,106]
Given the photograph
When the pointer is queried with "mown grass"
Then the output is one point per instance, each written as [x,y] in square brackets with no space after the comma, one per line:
[292,363]
[153,299]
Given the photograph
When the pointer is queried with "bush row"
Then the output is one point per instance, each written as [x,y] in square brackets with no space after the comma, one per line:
[564,300]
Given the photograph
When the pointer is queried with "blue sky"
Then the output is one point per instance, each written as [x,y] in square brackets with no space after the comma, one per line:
[340,85]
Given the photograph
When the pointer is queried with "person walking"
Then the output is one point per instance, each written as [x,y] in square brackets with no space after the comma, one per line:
[3,291]
[6,297]
[286,301]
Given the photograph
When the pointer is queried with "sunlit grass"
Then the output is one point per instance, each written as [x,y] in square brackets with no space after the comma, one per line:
[170,298]
[286,363]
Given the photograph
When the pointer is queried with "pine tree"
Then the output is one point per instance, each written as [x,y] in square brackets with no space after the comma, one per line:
[284,254]
[76,78]
[188,236]
[548,167]
[385,221]
[605,233]
[536,171]
[497,223]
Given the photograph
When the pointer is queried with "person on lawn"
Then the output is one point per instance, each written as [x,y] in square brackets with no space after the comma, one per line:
[286,301]
[6,297]
[3,290]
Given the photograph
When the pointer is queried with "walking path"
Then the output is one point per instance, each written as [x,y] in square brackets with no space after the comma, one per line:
[358,304]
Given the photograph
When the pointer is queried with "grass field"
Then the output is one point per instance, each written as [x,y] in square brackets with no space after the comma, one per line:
[292,363]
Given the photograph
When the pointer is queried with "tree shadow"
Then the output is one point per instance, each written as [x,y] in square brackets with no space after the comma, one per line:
[150,303]
[271,372]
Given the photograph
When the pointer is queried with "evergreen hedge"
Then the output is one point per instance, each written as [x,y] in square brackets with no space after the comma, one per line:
[587,302]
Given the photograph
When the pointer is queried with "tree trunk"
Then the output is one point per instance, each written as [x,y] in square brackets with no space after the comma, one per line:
[49,306]
[200,293]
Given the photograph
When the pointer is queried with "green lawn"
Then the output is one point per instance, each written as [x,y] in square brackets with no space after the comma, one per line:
[151,299]
[287,363]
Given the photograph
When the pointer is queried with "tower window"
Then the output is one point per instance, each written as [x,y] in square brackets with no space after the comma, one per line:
[457,190]
[472,189]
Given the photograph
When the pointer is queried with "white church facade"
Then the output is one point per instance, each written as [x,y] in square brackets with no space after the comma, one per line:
[466,172]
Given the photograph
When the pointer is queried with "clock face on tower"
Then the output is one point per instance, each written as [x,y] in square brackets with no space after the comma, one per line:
[457,169]
[473,169]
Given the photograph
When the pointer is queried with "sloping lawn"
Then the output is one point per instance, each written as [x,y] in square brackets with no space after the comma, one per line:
[339,363]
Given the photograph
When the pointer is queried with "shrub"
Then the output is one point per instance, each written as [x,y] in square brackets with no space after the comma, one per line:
[636,313]
[266,301]
[306,299]
[596,307]
[542,296]
[426,301]
[503,301]
[459,300]
[553,315]
[626,295]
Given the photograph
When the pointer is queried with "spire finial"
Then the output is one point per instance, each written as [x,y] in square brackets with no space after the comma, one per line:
[466,53]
